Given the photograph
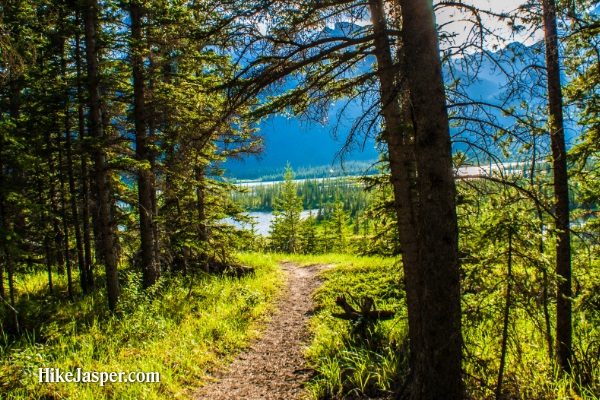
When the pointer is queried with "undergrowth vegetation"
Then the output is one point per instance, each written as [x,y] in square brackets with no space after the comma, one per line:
[509,302]
[180,328]
[350,360]
[351,364]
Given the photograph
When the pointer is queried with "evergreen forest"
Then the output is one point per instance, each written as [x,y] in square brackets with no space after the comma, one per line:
[462,263]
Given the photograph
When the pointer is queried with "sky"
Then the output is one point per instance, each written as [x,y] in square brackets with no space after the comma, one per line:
[454,21]
[459,22]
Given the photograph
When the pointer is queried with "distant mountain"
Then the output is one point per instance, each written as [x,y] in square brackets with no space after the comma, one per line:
[306,145]
[299,143]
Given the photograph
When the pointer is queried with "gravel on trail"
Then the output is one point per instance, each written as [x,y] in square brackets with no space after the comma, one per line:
[273,367]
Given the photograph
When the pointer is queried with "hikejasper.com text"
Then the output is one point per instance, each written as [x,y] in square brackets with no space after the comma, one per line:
[55,375]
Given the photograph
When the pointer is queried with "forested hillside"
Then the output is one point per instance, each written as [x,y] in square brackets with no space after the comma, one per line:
[462,264]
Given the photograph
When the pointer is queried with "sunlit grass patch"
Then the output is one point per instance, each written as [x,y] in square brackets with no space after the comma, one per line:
[182,329]
[346,362]
[347,365]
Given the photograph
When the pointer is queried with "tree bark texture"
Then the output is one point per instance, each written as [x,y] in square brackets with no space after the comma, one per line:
[71,178]
[418,139]
[63,209]
[561,189]
[87,235]
[106,226]
[145,173]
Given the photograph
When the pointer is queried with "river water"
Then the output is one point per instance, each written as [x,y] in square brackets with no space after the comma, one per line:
[263,221]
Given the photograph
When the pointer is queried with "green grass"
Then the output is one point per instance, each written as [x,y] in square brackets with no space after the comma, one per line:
[529,373]
[187,327]
[347,362]
[349,366]
[190,326]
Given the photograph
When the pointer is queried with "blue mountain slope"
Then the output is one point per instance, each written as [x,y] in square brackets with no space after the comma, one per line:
[299,143]
[306,145]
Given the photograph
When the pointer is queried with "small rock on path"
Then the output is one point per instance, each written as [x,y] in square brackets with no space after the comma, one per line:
[274,367]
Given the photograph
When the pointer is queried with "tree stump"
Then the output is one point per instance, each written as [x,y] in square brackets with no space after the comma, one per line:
[365,316]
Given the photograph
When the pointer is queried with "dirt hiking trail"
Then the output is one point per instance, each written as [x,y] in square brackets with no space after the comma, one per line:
[273,367]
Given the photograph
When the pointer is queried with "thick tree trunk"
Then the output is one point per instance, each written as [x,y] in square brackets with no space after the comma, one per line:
[87,230]
[545,283]
[435,279]
[63,194]
[145,173]
[421,172]
[71,177]
[87,233]
[63,214]
[153,167]
[103,190]
[561,189]
[83,270]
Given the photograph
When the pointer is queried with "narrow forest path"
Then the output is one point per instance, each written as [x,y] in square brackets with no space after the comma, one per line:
[273,367]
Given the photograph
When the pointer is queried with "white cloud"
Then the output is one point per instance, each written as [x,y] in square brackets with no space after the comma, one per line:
[459,22]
